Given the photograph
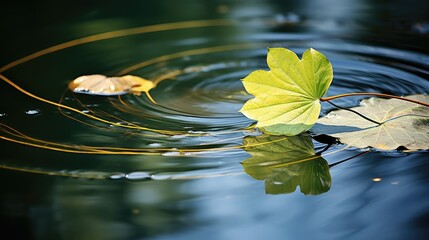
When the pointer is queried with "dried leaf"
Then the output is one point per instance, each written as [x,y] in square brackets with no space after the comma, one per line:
[404,124]
[110,86]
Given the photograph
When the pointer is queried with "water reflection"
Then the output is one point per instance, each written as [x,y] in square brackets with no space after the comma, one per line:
[286,163]
[200,193]
[112,210]
[69,208]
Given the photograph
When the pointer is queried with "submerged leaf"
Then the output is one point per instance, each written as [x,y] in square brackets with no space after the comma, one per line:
[110,86]
[287,97]
[404,124]
[286,163]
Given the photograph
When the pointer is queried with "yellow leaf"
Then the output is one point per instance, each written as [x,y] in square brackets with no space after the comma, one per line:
[98,84]
[287,97]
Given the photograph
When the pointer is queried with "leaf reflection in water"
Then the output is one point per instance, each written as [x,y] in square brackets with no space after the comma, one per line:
[286,163]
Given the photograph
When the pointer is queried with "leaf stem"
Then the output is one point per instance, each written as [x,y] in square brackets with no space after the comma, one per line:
[345,160]
[373,94]
[324,149]
[353,111]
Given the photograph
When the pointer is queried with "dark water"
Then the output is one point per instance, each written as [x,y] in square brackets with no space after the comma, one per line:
[126,168]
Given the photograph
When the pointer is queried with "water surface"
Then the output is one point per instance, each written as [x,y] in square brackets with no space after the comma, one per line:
[89,167]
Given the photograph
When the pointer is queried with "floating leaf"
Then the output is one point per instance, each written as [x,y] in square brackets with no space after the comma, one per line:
[404,124]
[110,86]
[287,97]
[286,163]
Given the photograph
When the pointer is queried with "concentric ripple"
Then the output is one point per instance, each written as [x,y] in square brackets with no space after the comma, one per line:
[194,129]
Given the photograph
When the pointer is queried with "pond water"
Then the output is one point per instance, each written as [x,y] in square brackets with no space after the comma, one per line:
[88,167]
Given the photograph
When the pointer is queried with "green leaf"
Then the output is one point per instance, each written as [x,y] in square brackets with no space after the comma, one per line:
[404,124]
[287,97]
[285,163]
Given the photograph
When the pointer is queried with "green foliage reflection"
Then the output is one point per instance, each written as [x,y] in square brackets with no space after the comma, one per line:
[285,163]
